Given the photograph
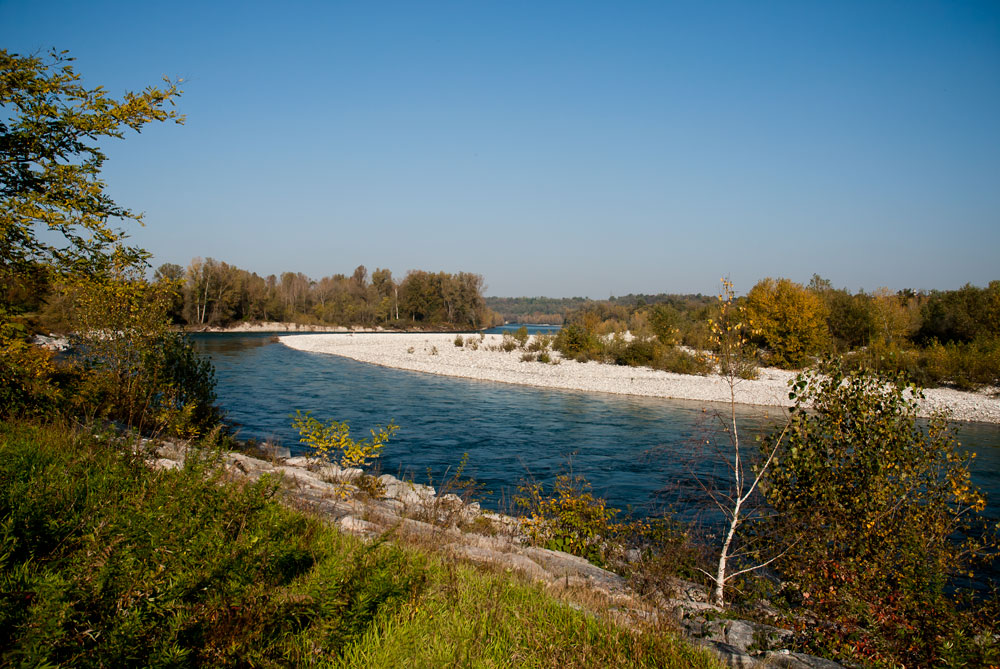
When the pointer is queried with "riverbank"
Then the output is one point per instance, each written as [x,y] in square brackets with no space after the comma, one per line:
[280,327]
[436,353]
[284,327]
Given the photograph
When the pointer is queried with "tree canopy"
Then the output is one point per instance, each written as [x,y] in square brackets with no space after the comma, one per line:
[50,165]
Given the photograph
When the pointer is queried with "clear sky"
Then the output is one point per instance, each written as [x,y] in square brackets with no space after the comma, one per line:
[558,148]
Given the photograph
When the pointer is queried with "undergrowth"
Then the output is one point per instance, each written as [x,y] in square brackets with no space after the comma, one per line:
[104,562]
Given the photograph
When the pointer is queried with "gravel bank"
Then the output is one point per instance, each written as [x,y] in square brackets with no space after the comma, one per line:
[437,354]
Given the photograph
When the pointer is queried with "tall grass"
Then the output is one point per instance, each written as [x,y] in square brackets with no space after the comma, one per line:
[104,562]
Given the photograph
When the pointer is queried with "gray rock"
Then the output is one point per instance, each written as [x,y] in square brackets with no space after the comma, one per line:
[730,655]
[412,495]
[52,342]
[357,526]
[512,561]
[767,637]
[789,660]
[739,633]
[576,571]
[686,590]
[334,474]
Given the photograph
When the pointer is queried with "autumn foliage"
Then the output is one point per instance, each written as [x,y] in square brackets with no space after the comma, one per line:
[789,321]
[870,505]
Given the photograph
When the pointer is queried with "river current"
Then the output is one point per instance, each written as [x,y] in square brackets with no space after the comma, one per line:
[642,454]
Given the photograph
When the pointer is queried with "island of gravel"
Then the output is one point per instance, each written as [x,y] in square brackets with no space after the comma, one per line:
[436,353]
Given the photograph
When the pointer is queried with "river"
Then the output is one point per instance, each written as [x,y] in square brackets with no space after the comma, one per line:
[638,453]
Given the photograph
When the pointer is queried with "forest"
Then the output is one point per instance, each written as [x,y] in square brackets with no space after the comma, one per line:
[210,293]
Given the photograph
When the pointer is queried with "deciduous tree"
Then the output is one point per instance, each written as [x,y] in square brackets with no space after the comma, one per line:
[790,321]
[50,171]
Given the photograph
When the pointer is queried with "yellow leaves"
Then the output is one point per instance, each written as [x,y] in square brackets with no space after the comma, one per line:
[333,437]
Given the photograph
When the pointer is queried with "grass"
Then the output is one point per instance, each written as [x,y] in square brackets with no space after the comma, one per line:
[104,562]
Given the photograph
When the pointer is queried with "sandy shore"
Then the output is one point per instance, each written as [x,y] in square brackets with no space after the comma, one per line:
[437,354]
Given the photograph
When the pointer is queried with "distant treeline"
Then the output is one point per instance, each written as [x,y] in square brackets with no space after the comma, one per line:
[936,337]
[213,293]
[553,310]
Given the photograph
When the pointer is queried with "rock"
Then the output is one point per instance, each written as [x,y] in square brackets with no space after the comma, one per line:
[688,591]
[300,461]
[469,512]
[766,609]
[512,561]
[739,633]
[391,506]
[253,468]
[171,450]
[767,637]
[335,474]
[789,660]
[576,571]
[301,477]
[357,526]
[165,464]
[412,495]
[730,655]
[52,342]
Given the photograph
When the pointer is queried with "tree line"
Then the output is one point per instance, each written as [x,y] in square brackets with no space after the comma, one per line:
[938,337]
[213,293]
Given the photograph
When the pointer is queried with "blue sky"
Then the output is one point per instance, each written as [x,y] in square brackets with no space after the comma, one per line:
[558,148]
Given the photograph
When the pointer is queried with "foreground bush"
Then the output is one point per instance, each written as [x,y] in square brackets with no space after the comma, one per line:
[106,563]
[877,515]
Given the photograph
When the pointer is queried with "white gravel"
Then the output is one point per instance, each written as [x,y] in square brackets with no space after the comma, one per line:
[437,354]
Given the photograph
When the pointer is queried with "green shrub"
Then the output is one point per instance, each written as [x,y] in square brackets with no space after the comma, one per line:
[540,342]
[107,563]
[965,366]
[133,368]
[332,442]
[567,518]
[679,361]
[664,321]
[634,353]
[27,373]
[574,341]
[508,343]
[527,357]
[459,341]
[521,336]
[869,506]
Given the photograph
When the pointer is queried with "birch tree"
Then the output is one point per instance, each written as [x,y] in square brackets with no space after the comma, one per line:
[730,334]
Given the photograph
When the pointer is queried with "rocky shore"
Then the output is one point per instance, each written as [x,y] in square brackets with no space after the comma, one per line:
[418,514]
[437,354]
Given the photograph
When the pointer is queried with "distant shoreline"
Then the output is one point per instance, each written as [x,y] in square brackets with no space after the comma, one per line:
[436,353]
[283,327]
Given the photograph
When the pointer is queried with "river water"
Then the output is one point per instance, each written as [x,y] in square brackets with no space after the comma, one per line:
[638,453]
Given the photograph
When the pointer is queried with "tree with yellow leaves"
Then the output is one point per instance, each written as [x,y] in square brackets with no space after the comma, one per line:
[789,320]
